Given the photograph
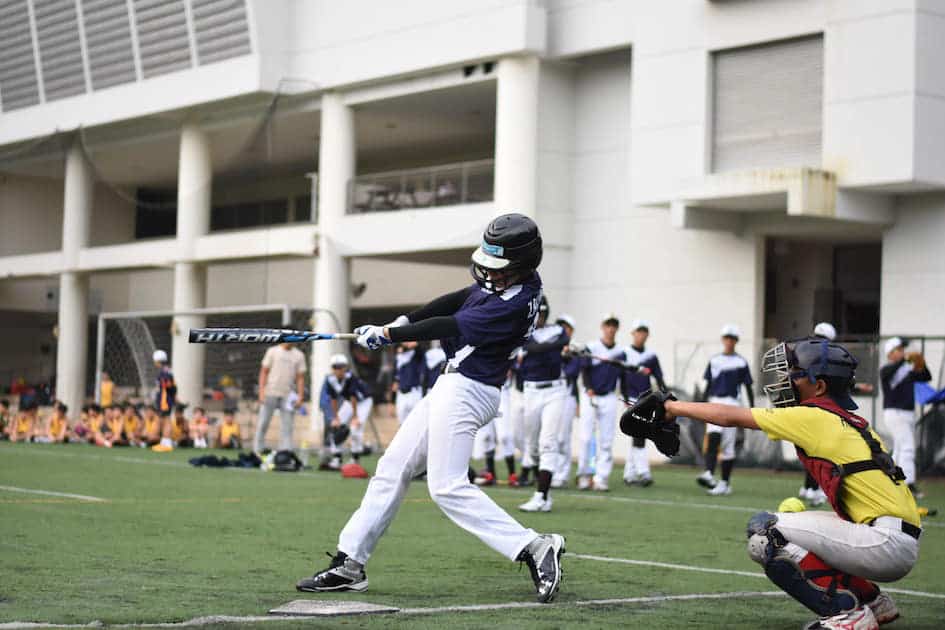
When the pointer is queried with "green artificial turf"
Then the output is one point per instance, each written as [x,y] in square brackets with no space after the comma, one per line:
[172,542]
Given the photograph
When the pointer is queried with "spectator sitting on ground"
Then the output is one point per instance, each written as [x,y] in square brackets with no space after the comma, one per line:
[151,432]
[131,424]
[180,428]
[98,427]
[115,426]
[199,427]
[79,432]
[5,419]
[56,426]
[26,422]
[229,434]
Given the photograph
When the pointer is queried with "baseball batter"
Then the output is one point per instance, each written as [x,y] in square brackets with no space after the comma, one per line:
[479,326]
[829,562]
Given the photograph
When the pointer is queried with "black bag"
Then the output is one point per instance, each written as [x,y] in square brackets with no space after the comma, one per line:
[286,461]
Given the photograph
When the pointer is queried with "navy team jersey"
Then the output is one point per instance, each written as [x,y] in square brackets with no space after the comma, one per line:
[360,388]
[491,326]
[602,377]
[635,384]
[725,374]
[410,370]
[898,380]
[342,390]
[542,360]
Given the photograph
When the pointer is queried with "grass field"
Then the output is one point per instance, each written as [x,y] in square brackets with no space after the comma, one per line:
[169,542]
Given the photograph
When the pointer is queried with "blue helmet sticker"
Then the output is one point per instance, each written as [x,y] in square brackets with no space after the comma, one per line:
[493,250]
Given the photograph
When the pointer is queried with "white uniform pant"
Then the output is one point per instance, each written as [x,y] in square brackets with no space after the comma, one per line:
[437,437]
[599,414]
[638,461]
[516,423]
[543,408]
[406,401]
[727,445]
[901,425]
[568,411]
[362,413]
[883,552]
[497,435]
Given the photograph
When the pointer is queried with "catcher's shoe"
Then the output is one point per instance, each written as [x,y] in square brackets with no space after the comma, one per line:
[485,478]
[706,480]
[722,488]
[543,557]
[537,503]
[857,619]
[884,609]
[343,574]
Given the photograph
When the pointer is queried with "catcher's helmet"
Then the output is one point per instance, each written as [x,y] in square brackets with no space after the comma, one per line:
[814,358]
[511,242]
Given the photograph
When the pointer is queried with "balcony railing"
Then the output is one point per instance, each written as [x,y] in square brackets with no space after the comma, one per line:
[443,185]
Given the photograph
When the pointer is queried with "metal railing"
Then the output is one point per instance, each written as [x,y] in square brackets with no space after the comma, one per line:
[441,185]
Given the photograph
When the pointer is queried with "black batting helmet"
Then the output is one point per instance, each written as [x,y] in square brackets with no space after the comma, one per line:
[511,242]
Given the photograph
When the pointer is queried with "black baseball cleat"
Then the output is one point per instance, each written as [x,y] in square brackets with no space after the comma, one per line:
[343,574]
[543,557]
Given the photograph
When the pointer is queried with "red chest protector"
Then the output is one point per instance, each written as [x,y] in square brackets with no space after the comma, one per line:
[830,475]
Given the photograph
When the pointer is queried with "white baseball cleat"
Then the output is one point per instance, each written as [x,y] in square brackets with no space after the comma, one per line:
[543,557]
[804,493]
[537,503]
[722,488]
[884,609]
[817,497]
[600,486]
[861,618]
[584,483]
[706,480]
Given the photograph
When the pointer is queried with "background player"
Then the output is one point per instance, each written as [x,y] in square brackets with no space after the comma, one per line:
[825,561]
[164,400]
[600,413]
[634,384]
[898,378]
[479,327]
[545,393]
[572,371]
[724,375]
[408,378]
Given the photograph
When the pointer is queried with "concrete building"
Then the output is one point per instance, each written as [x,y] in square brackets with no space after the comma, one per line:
[693,162]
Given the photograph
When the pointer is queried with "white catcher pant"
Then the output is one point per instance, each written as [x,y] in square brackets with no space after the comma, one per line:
[727,445]
[437,436]
[497,435]
[882,553]
[543,409]
[568,411]
[599,413]
[901,425]
[346,413]
[406,401]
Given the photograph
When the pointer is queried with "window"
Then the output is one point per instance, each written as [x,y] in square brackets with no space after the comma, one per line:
[155,213]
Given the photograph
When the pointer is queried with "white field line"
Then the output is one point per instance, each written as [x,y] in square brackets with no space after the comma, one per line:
[752,574]
[217,619]
[50,493]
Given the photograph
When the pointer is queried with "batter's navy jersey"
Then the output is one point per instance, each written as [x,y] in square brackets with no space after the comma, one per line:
[410,370]
[725,373]
[899,381]
[635,384]
[491,326]
[542,361]
[602,377]
[434,359]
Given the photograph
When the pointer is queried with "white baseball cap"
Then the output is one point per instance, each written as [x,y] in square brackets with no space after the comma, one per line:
[730,330]
[637,324]
[159,356]
[892,344]
[338,359]
[606,317]
[825,330]
[567,320]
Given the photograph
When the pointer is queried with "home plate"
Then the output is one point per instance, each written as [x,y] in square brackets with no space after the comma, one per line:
[329,608]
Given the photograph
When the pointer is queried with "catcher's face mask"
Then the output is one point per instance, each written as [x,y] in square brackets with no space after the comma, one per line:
[776,367]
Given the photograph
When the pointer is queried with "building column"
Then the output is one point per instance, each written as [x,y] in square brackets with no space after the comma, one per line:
[73,340]
[336,159]
[194,182]
[516,135]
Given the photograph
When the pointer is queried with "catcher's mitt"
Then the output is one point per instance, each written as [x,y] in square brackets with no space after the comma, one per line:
[646,418]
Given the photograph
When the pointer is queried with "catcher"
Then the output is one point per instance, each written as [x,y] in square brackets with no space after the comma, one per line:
[828,562]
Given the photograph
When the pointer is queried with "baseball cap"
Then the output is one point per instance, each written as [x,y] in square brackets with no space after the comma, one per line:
[339,360]
[730,330]
[640,324]
[892,344]
[610,318]
[159,356]
[566,319]
[825,330]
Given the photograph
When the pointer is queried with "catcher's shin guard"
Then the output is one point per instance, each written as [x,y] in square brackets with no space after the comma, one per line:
[802,575]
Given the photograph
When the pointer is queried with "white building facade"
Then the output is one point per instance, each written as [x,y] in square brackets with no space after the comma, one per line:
[693,163]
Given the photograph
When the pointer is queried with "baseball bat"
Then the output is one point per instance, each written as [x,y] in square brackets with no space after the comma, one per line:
[261,335]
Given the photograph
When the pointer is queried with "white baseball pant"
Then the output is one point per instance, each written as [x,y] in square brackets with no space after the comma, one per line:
[543,408]
[881,552]
[517,424]
[727,445]
[437,437]
[568,411]
[901,426]
[600,414]
[406,401]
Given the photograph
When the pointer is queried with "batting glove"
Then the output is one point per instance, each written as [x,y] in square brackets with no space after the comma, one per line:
[400,321]
[372,337]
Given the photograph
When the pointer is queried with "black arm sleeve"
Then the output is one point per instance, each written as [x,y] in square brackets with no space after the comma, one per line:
[430,328]
[557,344]
[751,395]
[443,305]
